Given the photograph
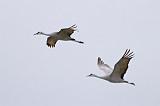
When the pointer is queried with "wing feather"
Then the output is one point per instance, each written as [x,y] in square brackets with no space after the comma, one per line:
[51,41]
[121,66]
[105,67]
[65,32]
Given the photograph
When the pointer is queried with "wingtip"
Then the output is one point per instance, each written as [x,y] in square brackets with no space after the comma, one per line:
[99,59]
[128,54]
[74,26]
[50,46]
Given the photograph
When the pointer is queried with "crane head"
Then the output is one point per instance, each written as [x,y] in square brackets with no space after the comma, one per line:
[38,33]
[90,75]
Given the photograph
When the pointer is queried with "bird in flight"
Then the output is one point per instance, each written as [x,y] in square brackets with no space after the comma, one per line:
[64,34]
[115,75]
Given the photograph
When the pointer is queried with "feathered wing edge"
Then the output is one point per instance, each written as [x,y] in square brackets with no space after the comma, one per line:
[121,66]
[127,54]
[68,31]
[105,67]
[51,41]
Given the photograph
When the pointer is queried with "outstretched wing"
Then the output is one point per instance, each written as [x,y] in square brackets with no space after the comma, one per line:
[121,66]
[65,32]
[105,67]
[51,41]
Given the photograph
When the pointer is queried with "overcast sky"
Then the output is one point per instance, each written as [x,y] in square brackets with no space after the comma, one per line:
[31,74]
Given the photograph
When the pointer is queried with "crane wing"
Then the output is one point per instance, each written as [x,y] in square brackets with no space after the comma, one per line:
[51,41]
[121,66]
[65,32]
[105,67]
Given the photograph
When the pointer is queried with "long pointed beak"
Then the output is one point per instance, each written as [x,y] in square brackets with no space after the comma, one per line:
[35,34]
[88,75]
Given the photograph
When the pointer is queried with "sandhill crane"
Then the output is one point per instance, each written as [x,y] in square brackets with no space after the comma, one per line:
[64,34]
[115,75]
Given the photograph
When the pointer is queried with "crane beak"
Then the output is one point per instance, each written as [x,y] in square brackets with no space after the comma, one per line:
[35,34]
[89,75]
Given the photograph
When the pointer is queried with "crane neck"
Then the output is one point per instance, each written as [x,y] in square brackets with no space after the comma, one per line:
[101,77]
[45,34]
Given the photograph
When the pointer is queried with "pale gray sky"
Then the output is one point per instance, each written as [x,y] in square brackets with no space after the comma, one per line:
[31,74]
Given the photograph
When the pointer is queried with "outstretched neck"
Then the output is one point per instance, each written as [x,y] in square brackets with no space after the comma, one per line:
[41,33]
[93,75]
[45,34]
